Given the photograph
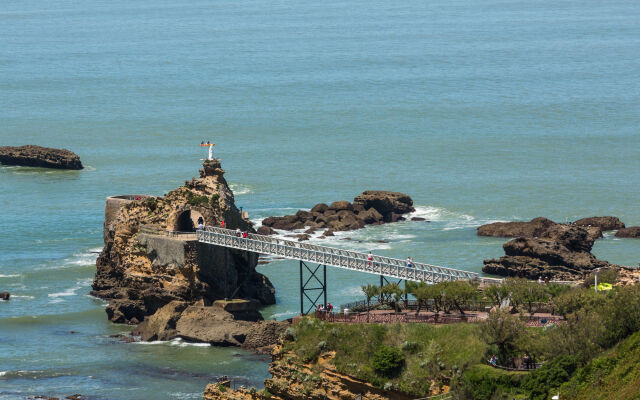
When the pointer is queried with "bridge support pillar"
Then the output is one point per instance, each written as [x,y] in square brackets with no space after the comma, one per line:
[312,287]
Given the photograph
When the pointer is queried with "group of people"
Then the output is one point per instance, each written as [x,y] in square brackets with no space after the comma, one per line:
[493,360]
[370,260]
[327,309]
[242,234]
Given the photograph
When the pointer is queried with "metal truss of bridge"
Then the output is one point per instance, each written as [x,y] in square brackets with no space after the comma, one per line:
[325,256]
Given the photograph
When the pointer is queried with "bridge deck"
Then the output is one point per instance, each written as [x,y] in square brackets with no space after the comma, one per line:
[331,256]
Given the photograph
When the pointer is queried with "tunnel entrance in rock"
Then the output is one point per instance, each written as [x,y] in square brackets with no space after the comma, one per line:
[188,221]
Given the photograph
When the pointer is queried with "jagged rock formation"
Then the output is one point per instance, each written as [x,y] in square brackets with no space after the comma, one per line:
[370,207]
[219,325]
[5,296]
[545,249]
[295,380]
[630,232]
[604,223]
[37,156]
[537,227]
[139,271]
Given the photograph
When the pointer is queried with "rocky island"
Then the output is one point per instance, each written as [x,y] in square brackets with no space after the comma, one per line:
[37,156]
[371,207]
[153,270]
[546,249]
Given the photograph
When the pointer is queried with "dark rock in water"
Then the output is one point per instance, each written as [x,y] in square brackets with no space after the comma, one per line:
[604,223]
[419,219]
[630,232]
[328,232]
[340,206]
[266,230]
[562,252]
[310,230]
[382,241]
[123,338]
[320,208]
[385,202]
[371,216]
[302,237]
[533,228]
[370,207]
[5,296]
[37,156]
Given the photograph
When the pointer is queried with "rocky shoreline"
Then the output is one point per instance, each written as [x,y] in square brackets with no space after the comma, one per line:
[37,156]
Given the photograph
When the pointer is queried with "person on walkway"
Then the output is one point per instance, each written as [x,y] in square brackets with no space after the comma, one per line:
[370,259]
[200,223]
[244,234]
[238,233]
[540,281]
[409,262]
[222,224]
[329,307]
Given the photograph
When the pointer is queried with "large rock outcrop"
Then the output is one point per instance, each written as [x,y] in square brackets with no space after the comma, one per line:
[557,251]
[37,156]
[630,232]
[370,207]
[219,325]
[141,268]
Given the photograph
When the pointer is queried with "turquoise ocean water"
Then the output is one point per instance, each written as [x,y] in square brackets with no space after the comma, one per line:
[480,110]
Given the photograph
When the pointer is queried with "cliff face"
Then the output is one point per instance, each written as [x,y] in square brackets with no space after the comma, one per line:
[294,380]
[141,269]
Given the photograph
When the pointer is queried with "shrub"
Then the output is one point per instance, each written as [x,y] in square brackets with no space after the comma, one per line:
[387,361]
[609,275]
[549,376]
[151,203]
[214,199]
[483,382]
[198,200]
[409,347]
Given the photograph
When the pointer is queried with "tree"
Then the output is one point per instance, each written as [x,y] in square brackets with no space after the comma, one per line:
[394,291]
[497,294]
[526,292]
[503,330]
[459,294]
[422,292]
[370,291]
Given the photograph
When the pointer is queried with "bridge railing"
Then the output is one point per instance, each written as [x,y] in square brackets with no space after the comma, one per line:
[332,256]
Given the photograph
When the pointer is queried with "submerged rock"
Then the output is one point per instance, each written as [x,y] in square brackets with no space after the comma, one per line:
[5,296]
[37,156]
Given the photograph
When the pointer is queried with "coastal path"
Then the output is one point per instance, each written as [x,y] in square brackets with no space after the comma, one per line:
[323,256]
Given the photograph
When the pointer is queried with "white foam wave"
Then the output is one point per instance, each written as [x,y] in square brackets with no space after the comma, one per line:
[3,373]
[285,314]
[10,276]
[16,296]
[350,291]
[239,189]
[68,292]
[175,342]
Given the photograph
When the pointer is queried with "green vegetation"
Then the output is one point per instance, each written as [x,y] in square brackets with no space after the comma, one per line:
[387,361]
[214,200]
[428,352]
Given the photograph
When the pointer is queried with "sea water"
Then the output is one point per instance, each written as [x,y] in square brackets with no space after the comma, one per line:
[480,110]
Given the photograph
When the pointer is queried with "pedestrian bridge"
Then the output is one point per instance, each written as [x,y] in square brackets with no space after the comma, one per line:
[331,256]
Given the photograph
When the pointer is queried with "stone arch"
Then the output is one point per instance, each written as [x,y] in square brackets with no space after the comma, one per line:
[187,221]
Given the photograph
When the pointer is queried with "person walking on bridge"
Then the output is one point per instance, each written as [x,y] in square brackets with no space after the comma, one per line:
[370,259]
[409,262]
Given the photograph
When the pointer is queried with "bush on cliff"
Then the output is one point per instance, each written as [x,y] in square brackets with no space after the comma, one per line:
[387,361]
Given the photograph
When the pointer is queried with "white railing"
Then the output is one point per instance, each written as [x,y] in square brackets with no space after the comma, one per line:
[352,260]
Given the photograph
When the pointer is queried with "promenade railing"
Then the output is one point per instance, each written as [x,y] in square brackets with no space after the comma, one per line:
[346,259]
